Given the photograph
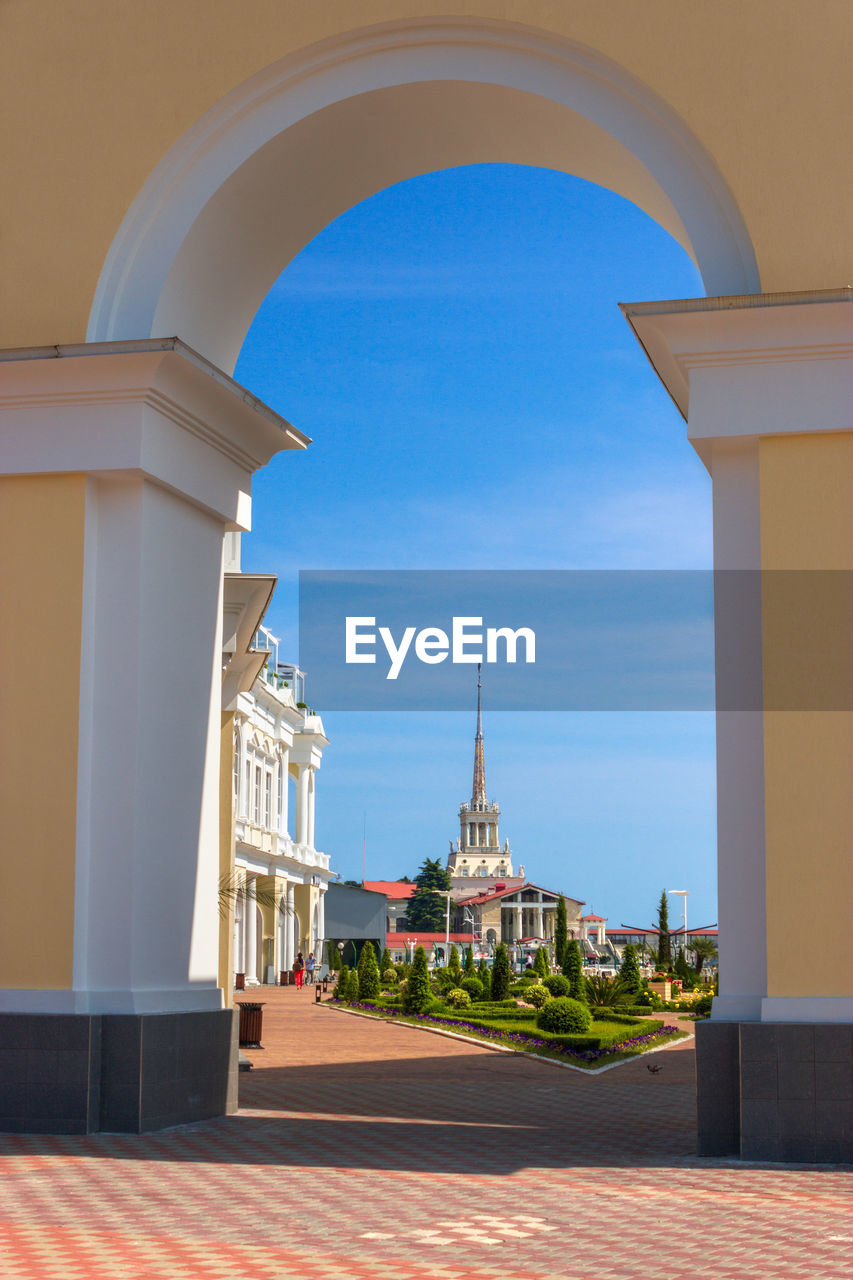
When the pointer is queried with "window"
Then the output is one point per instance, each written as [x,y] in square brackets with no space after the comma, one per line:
[236,772]
[268,800]
[247,797]
[280,794]
[257,801]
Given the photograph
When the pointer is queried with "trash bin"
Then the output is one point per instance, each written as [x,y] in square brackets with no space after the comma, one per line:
[285,978]
[251,1024]
[239,981]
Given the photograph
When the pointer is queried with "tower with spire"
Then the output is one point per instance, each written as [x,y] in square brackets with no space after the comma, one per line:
[478,852]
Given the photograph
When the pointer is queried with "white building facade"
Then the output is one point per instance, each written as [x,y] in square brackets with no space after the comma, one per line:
[280,877]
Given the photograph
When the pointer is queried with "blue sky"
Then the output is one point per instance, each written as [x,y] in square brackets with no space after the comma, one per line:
[476,400]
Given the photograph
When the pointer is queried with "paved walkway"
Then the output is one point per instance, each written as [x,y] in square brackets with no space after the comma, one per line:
[376,1152]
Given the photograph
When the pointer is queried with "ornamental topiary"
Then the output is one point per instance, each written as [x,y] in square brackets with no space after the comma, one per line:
[454,967]
[556,985]
[457,998]
[485,976]
[389,978]
[386,962]
[537,995]
[473,986]
[629,970]
[343,981]
[563,1016]
[444,980]
[541,964]
[353,986]
[573,969]
[501,974]
[368,973]
[470,969]
[418,993]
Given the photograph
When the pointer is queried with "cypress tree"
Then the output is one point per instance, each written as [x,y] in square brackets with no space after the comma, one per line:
[353,985]
[573,969]
[470,968]
[454,967]
[485,977]
[418,992]
[629,970]
[561,933]
[540,964]
[386,962]
[368,973]
[343,982]
[664,944]
[501,974]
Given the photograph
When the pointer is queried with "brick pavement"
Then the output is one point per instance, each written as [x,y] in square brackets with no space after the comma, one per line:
[376,1152]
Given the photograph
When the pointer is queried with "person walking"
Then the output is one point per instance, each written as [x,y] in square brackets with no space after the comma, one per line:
[298,969]
[310,965]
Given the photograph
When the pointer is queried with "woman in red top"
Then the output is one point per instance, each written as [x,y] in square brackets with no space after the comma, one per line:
[298,969]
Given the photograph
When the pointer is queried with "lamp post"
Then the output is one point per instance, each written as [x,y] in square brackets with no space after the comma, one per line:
[683,894]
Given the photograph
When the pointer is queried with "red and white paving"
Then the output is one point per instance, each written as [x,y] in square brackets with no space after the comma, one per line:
[364,1151]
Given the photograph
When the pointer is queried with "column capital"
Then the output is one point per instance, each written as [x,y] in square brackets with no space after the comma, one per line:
[153,409]
[760,364]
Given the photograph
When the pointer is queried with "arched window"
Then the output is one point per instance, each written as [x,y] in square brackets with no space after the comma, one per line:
[491,937]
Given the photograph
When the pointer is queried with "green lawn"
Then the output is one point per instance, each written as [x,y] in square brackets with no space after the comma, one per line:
[514,1028]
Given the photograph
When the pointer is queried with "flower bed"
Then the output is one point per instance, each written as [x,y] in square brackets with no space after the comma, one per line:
[523,1040]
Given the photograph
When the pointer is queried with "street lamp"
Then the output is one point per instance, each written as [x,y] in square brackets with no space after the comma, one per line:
[683,894]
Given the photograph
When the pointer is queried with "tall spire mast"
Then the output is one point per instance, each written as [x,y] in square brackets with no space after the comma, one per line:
[479,790]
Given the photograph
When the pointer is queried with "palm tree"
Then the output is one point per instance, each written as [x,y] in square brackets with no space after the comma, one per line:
[703,949]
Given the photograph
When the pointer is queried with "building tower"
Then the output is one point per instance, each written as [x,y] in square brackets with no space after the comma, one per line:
[479,852]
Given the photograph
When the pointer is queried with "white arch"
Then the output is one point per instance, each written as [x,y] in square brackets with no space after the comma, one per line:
[282,155]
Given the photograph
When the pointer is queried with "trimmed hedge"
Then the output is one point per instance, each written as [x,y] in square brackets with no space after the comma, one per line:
[556,984]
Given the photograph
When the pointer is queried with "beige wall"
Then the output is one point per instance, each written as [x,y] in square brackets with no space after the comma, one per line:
[42,522]
[227,902]
[807,523]
[94,93]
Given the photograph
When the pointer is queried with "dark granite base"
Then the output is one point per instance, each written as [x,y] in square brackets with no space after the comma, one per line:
[775,1091]
[119,1073]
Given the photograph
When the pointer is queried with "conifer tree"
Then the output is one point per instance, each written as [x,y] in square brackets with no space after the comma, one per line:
[501,974]
[454,968]
[386,962]
[561,933]
[540,964]
[343,982]
[484,974]
[629,970]
[573,969]
[664,944]
[428,905]
[470,968]
[368,973]
[418,992]
[353,987]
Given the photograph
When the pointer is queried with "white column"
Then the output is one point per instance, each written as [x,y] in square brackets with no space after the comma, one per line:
[281,934]
[302,784]
[291,929]
[321,938]
[160,496]
[540,927]
[250,930]
[518,922]
[284,764]
[311,792]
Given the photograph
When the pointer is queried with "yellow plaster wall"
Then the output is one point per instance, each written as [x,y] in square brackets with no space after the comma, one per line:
[95,92]
[807,523]
[42,521]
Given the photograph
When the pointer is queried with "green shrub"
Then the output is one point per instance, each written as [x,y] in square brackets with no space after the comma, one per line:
[368,973]
[402,970]
[418,994]
[607,992]
[537,995]
[702,1006]
[530,975]
[470,969]
[563,1016]
[353,986]
[500,973]
[556,985]
[454,967]
[386,962]
[473,986]
[541,964]
[342,983]
[444,980]
[458,999]
[389,977]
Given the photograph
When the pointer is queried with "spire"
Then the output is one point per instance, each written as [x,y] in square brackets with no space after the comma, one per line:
[479,791]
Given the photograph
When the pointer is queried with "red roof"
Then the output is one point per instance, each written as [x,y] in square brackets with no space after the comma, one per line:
[491,894]
[391,888]
[399,940]
[602,918]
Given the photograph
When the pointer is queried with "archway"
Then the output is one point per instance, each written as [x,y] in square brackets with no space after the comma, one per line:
[148,451]
[258,176]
